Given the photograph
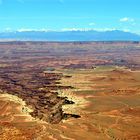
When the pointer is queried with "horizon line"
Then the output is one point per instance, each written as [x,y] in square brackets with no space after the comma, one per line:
[65,30]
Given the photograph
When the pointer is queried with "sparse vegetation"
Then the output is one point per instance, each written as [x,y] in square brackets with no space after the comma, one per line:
[52,91]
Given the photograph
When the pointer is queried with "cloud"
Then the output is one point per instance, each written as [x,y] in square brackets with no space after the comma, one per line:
[104,29]
[65,29]
[8,29]
[88,29]
[31,29]
[91,24]
[126,19]
[126,30]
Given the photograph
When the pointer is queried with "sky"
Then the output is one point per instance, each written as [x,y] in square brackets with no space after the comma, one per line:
[70,15]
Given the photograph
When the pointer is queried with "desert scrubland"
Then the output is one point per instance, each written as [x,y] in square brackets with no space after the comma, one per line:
[69,90]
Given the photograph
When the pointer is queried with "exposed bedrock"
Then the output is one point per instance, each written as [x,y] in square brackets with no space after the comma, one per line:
[38,90]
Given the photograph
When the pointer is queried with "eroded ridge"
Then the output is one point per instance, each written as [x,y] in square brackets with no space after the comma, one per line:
[38,89]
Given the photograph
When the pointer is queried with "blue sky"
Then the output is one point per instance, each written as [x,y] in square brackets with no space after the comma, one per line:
[70,15]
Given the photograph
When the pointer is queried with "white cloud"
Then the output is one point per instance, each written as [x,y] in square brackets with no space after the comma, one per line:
[30,29]
[126,30]
[91,24]
[104,29]
[8,29]
[67,29]
[71,29]
[126,19]
[88,29]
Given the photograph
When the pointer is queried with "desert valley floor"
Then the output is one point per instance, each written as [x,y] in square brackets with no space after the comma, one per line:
[69,90]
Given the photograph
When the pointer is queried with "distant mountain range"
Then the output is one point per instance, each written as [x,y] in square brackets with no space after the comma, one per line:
[91,35]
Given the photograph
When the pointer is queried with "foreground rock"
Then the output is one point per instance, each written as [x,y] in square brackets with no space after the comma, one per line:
[38,90]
